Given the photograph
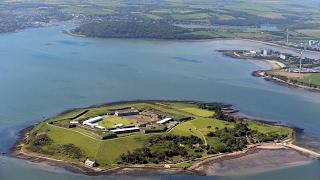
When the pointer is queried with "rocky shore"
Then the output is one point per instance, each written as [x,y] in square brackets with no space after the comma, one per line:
[202,166]
[264,75]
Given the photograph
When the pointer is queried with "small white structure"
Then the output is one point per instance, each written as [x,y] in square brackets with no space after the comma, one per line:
[101,128]
[89,163]
[165,120]
[122,130]
[118,125]
[282,56]
[253,52]
[74,122]
[127,113]
[93,121]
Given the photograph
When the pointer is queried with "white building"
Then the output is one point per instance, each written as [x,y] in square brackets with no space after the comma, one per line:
[282,56]
[92,122]
[165,120]
[127,113]
[253,52]
[265,52]
[118,125]
[74,122]
[89,163]
[101,128]
[122,130]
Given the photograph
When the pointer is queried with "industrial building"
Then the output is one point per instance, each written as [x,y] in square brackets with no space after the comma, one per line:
[127,113]
[165,120]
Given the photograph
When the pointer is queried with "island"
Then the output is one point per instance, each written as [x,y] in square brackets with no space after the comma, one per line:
[164,135]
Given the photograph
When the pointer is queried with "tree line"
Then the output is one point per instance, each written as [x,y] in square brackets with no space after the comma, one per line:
[136,29]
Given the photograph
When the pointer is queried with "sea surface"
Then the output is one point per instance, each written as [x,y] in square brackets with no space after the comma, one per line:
[44,72]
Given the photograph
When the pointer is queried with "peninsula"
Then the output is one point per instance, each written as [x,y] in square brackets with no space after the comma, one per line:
[287,69]
[164,135]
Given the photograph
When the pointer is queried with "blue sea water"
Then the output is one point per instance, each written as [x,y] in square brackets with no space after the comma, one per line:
[44,71]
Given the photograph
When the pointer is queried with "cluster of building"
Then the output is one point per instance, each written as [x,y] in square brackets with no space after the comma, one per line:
[120,128]
[262,53]
[268,53]
[313,45]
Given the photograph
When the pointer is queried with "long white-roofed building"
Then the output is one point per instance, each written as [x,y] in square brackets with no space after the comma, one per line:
[92,121]
[165,120]
[123,130]
[127,113]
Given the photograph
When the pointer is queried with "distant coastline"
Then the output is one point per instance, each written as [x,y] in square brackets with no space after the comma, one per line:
[264,74]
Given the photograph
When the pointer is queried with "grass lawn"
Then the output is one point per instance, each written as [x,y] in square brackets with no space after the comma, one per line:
[191,16]
[64,136]
[109,151]
[198,111]
[310,32]
[199,127]
[268,129]
[110,121]
[105,153]
[311,78]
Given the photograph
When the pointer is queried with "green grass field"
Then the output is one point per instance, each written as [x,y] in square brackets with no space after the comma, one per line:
[106,153]
[307,78]
[311,79]
[200,127]
[310,32]
[111,121]
[268,129]
[198,112]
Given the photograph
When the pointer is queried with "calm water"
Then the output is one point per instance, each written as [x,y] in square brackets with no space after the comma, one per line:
[43,72]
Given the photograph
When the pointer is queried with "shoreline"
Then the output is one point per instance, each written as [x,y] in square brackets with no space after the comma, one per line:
[77,167]
[263,74]
[279,45]
[69,32]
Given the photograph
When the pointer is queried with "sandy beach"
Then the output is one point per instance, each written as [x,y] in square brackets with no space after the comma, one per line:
[276,64]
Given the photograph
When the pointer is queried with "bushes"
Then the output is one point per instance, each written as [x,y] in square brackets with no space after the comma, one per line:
[41,139]
[71,151]
[42,143]
[164,148]
[232,139]
[269,137]
[217,108]
[219,114]
[108,135]
[212,106]
[177,139]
